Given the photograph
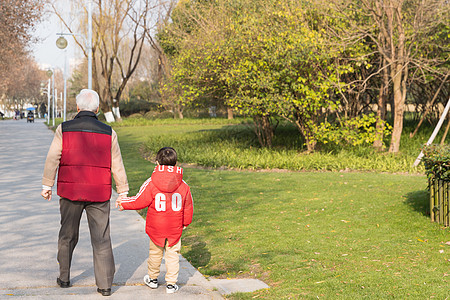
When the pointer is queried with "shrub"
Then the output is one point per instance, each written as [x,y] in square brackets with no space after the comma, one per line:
[136,106]
[135,116]
[437,161]
[158,115]
[356,131]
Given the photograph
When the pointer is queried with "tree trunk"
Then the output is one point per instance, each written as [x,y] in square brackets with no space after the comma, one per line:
[109,117]
[381,112]
[116,110]
[399,106]
[263,130]
[178,112]
[230,113]
[107,112]
[310,141]
[105,106]
[381,115]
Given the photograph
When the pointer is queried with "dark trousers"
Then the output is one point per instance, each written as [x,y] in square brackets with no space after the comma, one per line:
[98,220]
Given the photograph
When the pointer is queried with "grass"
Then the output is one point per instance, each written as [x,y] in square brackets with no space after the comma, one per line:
[223,148]
[131,122]
[314,235]
[330,235]
[235,146]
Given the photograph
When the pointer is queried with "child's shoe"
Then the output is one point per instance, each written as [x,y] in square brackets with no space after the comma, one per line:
[171,288]
[152,283]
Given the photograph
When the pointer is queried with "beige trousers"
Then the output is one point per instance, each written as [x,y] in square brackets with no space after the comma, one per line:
[172,261]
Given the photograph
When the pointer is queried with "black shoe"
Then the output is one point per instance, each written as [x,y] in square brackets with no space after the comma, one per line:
[104,292]
[62,284]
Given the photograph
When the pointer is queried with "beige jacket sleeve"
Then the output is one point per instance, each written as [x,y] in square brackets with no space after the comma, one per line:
[53,158]
[117,168]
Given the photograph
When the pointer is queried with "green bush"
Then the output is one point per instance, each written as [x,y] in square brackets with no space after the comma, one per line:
[360,130]
[136,106]
[151,114]
[437,161]
[135,116]
[237,147]
[158,115]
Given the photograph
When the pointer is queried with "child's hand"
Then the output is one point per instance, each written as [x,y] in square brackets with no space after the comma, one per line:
[119,200]
[119,203]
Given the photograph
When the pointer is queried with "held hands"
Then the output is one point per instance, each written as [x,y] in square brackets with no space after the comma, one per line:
[47,194]
[119,202]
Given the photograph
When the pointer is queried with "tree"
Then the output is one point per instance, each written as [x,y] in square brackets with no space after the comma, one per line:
[26,86]
[17,20]
[410,37]
[285,66]
[193,25]
[119,32]
[264,58]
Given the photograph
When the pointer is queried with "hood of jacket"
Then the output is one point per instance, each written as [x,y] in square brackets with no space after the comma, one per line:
[167,178]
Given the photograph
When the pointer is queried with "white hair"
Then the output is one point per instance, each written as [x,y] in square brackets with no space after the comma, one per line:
[88,100]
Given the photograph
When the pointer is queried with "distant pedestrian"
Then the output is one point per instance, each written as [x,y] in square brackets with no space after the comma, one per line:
[86,152]
[170,210]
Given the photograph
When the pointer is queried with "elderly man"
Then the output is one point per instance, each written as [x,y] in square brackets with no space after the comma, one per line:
[85,151]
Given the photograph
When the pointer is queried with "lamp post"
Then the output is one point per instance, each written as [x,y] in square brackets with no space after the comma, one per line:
[89,45]
[61,43]
[49,74]
[53,94]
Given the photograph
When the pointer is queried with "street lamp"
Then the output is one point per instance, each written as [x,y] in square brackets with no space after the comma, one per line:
[61,43]
[89,46]
[50,75]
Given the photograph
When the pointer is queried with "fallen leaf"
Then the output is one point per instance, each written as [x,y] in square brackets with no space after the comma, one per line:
[345,221]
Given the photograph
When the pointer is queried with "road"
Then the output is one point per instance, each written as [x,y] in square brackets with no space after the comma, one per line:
[29,228]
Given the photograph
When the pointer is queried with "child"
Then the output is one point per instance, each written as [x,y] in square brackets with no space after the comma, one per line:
[170,210]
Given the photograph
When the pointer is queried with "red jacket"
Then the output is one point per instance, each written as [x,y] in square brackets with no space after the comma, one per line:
[169,202]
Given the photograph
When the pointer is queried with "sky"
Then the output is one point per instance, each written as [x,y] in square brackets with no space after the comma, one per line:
[45,51]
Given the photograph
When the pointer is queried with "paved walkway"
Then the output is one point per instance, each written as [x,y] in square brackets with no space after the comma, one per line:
[29,228]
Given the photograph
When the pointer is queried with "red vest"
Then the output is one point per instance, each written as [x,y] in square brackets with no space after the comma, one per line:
[85,166]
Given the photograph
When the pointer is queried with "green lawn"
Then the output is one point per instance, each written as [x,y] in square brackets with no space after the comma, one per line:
[327,235]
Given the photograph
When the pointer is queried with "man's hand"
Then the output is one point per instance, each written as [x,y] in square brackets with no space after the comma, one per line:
[119,202]
[47,194]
